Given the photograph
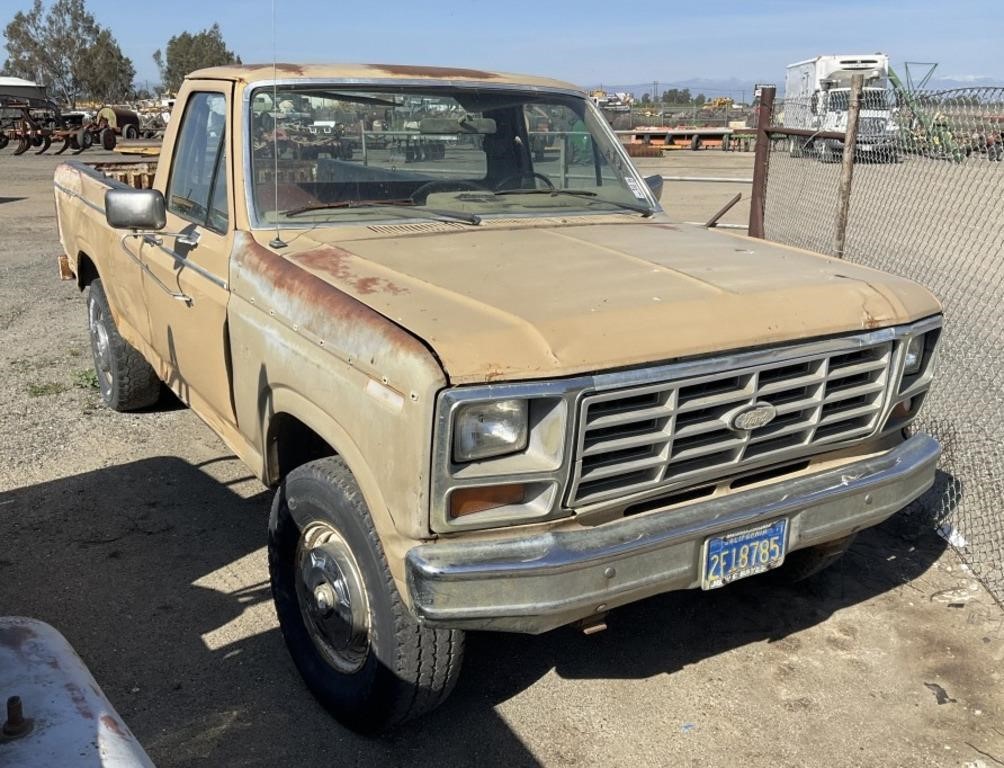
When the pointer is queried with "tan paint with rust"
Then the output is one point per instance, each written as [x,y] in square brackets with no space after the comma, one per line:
[338,328]
[83,232]
[303,347]
[249,73]
[527,303]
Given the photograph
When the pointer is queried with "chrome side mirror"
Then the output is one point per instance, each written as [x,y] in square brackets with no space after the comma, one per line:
[655,184]
[137,209]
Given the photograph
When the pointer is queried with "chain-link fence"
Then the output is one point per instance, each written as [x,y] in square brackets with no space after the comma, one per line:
[927,203]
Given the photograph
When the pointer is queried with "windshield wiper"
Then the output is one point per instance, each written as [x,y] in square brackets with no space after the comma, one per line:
[393,205]
[548,191]
[595,198]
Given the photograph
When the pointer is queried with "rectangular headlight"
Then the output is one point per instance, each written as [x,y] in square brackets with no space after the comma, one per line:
[914,355]
[486,429]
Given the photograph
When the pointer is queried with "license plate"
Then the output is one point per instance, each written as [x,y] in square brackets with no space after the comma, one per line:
[746,552]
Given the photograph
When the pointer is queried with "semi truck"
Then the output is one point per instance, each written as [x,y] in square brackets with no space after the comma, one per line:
[817,95]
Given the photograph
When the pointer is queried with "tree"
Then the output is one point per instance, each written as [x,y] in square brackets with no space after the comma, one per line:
[109,74]
[68,52]
[646,98]
[25,44]
[676,96]
[187,52]
[700,99]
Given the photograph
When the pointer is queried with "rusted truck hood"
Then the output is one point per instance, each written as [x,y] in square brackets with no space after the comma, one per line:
[526,303]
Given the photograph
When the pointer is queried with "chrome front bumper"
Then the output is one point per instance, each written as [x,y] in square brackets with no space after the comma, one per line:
[540,582]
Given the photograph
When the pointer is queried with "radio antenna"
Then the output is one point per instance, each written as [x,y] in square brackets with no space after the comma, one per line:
[277,241]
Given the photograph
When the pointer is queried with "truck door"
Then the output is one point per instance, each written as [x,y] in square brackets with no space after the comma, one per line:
[187,290]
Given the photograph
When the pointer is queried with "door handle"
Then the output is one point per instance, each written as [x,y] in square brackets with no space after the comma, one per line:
[177,295]
[191,239]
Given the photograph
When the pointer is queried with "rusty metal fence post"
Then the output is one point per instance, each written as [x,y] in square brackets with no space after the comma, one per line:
[764,115]
[847,165]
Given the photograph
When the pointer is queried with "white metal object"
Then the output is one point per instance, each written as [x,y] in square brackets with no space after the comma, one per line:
[72,723]
[816,93]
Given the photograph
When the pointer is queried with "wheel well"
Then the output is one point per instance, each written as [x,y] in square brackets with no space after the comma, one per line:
[291,444]
[87,273]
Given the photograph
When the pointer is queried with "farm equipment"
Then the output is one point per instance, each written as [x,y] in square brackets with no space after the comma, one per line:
[39,128]
[927,133]
[30,120]
[122,121]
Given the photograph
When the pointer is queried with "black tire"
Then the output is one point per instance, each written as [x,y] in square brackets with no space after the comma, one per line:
[4,141]
[130,132]
[84,139]
[108,139]
[803,563]
[399,669]
[126,380]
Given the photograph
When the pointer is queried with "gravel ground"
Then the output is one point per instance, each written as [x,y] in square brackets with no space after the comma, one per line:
[141,538]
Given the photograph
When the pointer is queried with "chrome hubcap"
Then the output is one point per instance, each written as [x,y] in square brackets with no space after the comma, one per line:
[332,598]
[100,346]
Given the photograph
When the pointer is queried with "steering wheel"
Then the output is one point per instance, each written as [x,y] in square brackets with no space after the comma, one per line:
[442,185]
[523,175]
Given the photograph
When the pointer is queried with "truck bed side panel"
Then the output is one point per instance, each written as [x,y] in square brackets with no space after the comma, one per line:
[80,210]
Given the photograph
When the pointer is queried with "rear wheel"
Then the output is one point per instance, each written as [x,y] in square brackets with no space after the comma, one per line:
[357,647]
[126,380]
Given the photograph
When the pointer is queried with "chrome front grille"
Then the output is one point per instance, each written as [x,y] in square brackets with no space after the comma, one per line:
[678,433]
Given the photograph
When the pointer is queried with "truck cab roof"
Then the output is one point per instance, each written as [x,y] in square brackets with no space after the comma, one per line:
[364,73]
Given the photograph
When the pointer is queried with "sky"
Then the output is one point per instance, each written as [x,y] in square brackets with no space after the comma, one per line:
[584,41]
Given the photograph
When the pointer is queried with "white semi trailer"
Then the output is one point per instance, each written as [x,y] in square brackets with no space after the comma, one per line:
[817,97]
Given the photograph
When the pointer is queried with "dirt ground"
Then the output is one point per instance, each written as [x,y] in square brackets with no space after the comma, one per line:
[141,538]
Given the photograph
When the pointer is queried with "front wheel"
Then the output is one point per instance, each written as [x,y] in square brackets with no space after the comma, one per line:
[357,647]
[803,563]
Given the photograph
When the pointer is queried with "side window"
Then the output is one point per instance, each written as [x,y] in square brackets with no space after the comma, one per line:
[197,187]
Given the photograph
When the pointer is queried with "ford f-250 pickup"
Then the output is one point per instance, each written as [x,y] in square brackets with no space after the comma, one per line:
[494,386]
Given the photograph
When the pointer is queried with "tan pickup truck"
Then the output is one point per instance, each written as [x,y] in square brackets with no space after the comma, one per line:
[495,387]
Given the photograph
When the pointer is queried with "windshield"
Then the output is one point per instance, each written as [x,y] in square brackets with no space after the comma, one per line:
[337,153]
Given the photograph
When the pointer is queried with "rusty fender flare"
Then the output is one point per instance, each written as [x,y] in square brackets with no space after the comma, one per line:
[288,402]
[376,347]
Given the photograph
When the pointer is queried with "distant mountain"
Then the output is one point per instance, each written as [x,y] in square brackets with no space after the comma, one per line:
[965,81]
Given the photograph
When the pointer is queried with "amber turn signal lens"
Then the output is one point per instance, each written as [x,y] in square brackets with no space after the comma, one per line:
[467,501]
[902,410]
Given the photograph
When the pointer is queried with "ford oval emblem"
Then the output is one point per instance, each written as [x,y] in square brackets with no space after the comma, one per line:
[754,417]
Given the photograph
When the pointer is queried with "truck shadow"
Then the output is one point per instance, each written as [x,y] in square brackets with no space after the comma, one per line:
[155,572]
